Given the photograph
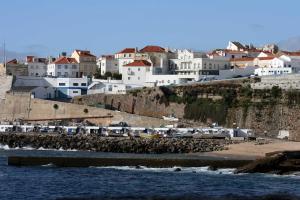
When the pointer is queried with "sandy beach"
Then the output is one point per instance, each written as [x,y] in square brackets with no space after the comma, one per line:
[253,150]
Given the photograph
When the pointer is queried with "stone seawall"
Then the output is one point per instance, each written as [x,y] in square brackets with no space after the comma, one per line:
[112,144]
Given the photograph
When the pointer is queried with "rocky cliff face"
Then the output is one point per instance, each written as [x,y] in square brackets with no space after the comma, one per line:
[229,104]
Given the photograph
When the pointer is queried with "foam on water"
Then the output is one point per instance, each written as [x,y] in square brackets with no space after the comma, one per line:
[173,169]
[6,147]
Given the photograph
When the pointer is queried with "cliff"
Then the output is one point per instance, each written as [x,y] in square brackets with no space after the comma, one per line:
[227,103]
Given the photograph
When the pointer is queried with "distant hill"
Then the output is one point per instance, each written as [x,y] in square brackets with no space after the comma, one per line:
[291,44]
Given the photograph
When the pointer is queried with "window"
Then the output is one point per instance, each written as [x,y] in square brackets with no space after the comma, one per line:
[59,66]
[74,67]
[66,66]
[138,78]
[75,84]
[83,84]
[62,84]
[139,69]
[66,74]
[58,74]
[128,78]
[75,92]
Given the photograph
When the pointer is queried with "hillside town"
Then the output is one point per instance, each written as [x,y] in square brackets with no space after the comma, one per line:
[81,72]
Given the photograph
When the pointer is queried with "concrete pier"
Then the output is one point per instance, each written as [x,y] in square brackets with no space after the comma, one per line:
[141,160]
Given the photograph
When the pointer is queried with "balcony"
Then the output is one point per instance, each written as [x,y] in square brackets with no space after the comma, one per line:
[130,73]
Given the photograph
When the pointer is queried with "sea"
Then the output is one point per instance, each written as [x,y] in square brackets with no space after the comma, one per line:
[130,182]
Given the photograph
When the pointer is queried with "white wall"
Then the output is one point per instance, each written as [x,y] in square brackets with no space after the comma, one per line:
[267,71]
[63,70]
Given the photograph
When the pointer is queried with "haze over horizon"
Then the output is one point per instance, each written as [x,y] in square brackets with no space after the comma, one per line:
[50,27]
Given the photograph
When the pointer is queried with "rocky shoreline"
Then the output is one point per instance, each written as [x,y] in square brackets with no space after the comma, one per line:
[112,144]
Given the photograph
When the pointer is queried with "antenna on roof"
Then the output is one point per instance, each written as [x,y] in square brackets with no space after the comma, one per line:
[4,54]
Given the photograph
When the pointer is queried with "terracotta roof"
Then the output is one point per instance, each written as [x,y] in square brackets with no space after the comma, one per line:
[127,50]
[152,49]
[288,53]
[241,59]
[29,58]
[139,63]
[267,58]
[84,53]
[14,61]
[65,60]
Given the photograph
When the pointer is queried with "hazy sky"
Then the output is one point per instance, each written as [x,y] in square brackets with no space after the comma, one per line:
[106,26]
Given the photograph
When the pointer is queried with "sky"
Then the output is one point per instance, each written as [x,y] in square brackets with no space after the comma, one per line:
[48,27]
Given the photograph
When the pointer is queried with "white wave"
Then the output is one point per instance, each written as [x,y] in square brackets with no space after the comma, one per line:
[172,169]
[6,147]
[49,165]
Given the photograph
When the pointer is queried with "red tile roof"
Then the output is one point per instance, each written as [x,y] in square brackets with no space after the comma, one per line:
[139,63]
[127,50]
[152,49]
[84,53]
[267,58]
[288,53]
[29,58]
[65,60]
[241,59]
[14,61]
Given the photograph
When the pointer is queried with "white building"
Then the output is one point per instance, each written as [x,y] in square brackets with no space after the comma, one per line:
[198,64]
[135,73]
[268,71]
[108,63]
[36,66]
[235,46]
[125,57]
[52,88]
[64,67]
[107,87]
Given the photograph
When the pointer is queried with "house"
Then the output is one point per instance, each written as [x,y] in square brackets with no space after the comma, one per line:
[36,66]
[16,68]
[70,87]
[235,46]
[63,67]
[241,62]
[108,63]
[135,73]
[125,57]
[87,62]
[158,56]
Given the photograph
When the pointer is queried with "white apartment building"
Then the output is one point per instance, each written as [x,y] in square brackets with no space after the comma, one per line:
[64,67]
[36,66]
[197,64]
[108,63]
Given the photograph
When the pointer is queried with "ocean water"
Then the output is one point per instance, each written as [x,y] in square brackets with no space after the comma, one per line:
[50,182]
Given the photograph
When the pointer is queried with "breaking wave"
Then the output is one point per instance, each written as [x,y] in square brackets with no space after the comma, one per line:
[173,169]
[6,147]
